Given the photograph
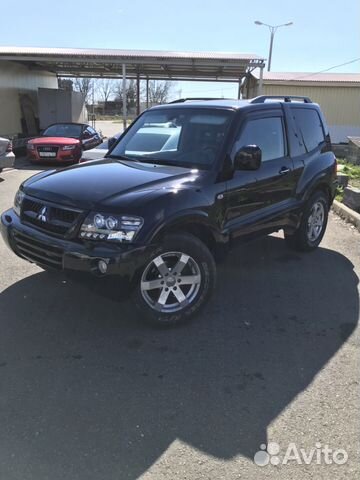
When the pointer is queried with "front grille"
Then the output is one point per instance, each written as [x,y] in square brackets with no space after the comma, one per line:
[38,252]
[51,219]
[44,150]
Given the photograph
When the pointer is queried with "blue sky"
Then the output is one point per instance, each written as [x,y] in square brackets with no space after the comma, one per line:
[325,33]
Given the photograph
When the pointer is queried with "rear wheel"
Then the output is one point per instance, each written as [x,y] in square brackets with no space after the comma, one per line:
[313,224]
[176,282]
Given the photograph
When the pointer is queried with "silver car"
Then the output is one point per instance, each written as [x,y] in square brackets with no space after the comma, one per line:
[7,157]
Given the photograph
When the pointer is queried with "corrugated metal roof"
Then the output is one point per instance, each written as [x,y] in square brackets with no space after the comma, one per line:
[152,64]
[101,52]
[309,77]
[355,140]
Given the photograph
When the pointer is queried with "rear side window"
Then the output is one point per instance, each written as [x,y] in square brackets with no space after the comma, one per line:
[91,130]
[266,133]
[311,129]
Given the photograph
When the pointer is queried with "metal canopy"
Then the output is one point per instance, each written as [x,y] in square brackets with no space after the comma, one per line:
[143,64]
[139,64]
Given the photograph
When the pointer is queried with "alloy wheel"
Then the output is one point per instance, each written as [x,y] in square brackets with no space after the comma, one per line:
[316,221]
[170,282]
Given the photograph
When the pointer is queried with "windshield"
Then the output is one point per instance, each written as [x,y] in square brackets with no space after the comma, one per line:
[189,137]
[68,130]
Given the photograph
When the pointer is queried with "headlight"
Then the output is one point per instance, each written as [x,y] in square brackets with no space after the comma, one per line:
[68,147]
[99,226]
[30,146]
[19,197]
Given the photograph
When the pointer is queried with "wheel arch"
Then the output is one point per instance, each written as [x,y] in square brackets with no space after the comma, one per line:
[193,226]
[320,187]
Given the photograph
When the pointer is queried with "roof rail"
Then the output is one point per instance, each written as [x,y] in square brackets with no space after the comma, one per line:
[286,98]
[194,99]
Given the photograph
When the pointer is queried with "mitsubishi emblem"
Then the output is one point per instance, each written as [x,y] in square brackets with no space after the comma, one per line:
[43,215]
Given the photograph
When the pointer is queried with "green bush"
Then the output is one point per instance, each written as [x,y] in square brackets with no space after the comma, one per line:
[339,196]
[353,171]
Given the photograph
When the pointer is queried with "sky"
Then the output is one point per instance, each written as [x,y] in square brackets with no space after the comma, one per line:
[325,32]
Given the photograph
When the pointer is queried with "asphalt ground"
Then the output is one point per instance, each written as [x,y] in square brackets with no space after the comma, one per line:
[88,392]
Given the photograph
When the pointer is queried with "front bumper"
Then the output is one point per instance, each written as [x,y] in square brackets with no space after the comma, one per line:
[7,160]
[62,156]
[71,255]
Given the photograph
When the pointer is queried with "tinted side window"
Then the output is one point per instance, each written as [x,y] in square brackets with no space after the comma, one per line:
[309,123]
[266,133]
[90,131]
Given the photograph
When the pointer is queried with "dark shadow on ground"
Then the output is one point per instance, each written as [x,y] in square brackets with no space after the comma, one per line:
[23,163]
[88,392]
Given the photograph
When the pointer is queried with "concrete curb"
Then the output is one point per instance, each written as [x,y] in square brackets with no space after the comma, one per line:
[347,214]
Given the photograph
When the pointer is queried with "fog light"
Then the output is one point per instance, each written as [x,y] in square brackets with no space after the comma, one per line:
[102,266]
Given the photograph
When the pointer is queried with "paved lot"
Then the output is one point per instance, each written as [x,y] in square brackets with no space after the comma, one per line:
[108,128]
[88,392]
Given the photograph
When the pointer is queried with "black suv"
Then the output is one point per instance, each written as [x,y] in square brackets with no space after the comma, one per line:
[183,184]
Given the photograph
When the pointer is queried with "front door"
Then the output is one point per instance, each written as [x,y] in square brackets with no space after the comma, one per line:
[269,190]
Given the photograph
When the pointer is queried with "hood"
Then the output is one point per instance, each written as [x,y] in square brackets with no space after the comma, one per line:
[91,184]
[53,140]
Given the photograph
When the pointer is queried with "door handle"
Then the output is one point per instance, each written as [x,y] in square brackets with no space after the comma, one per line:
[284,170]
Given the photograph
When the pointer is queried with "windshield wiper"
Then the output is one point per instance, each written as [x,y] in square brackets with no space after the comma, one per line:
[123,157]
[157,161]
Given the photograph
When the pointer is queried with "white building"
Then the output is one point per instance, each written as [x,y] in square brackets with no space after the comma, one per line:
[30,100]
[18,97]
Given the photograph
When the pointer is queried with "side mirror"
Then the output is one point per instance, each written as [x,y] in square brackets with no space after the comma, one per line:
[248,158]
[111,142]
[86,135]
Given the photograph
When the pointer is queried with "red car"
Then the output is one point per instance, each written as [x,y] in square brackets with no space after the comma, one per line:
[63,143]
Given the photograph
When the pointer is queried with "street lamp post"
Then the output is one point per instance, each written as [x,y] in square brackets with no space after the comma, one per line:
[272,29]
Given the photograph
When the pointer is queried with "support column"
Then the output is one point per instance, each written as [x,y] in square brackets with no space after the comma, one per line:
[260,87]
[248,80]
[124,96]
[138,94]
[239,89]
[147,92]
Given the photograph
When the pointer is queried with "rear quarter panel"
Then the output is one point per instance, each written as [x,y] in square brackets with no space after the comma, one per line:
[319,171]
[314,169]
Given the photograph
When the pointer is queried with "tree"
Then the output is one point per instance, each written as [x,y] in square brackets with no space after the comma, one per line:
[105,89]
[130,92]
[159,92]
[84,86]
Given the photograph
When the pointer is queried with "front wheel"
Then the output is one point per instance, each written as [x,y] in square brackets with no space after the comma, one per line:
[80,157]
[176,282]
[312,226]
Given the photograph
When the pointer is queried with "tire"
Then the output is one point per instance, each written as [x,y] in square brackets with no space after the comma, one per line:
[81,155]
[312,226]
[170,301]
